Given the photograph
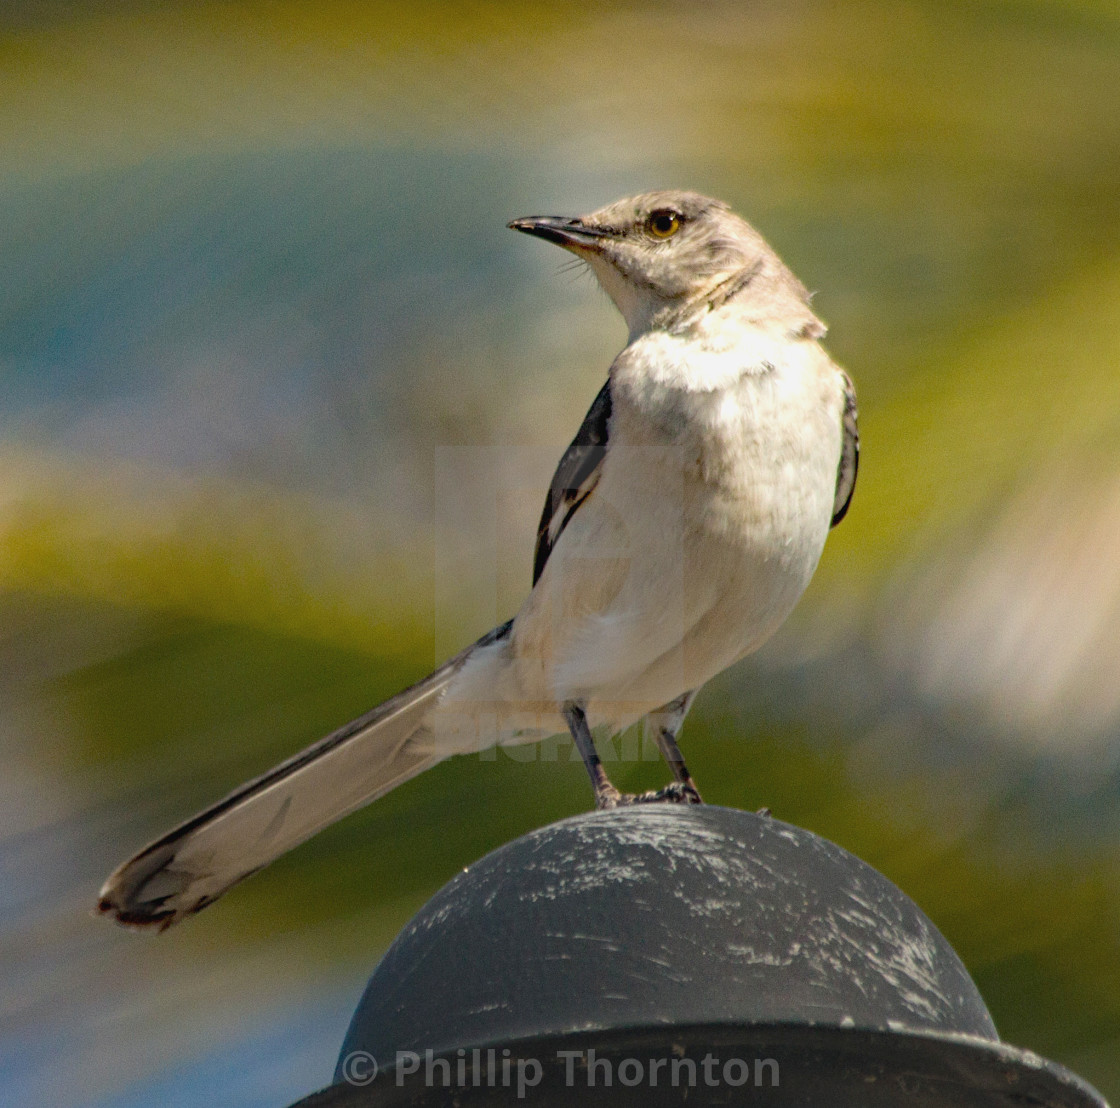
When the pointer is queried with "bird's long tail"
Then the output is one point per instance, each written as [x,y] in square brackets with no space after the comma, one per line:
[193,864]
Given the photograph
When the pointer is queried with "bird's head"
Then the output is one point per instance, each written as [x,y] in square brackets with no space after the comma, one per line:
[662,255]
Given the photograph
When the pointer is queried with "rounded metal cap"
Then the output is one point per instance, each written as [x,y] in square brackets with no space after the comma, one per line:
[684,933]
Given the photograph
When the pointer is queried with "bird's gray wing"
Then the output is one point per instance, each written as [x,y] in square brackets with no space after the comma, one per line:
[849,454]
[575,478]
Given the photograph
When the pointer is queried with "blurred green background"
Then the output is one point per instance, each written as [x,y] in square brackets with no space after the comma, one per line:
[260,321]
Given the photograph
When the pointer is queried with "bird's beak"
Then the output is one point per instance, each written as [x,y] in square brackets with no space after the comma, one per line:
[572,233]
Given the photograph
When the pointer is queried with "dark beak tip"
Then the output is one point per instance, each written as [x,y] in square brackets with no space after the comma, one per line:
[561,230]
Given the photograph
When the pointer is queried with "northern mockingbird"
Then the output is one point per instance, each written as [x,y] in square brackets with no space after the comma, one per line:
[682,525]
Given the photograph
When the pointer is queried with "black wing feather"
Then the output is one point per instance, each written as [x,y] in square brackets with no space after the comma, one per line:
[849,454]
[575,478]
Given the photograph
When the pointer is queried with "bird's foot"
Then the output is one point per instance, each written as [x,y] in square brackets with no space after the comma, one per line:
[680,792]
[677,793]
[607,797]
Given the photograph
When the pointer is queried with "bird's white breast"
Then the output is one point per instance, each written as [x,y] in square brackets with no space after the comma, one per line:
[706,525]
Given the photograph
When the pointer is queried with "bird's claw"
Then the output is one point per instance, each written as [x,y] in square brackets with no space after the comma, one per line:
[609,797]
[677,793]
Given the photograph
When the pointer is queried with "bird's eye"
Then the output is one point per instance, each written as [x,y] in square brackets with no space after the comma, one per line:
[663,223]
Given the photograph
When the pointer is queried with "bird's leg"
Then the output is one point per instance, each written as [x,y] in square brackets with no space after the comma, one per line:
[667,723]
[606,795]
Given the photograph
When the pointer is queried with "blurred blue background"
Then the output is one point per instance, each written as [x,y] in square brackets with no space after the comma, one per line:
[256,298]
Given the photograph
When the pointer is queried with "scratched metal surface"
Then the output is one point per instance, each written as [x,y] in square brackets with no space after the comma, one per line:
[640,917]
